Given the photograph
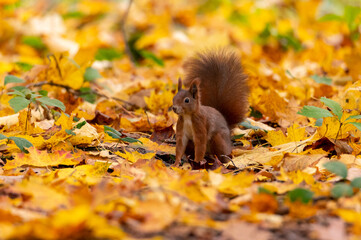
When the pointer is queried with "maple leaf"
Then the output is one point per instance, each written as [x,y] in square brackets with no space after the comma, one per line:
[37,158]
[135,156]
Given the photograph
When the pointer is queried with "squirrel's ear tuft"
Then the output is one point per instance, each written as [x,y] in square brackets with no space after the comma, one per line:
[179,84]
[194,89]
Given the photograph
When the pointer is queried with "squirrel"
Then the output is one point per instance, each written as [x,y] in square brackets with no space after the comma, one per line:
[215,101]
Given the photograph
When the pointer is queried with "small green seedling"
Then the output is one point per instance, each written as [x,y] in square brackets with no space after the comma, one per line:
[336,112]
[24,97]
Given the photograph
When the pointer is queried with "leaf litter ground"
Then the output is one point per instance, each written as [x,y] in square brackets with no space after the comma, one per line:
[101,168]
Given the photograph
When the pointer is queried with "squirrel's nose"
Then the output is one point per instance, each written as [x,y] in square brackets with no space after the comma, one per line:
[174,109]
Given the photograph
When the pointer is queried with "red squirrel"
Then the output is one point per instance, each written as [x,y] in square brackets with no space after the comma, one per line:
[215,100]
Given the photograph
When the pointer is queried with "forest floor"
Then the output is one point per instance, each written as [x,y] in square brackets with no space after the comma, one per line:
[87,135]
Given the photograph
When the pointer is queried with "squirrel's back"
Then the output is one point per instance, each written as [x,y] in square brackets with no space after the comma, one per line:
[223,84]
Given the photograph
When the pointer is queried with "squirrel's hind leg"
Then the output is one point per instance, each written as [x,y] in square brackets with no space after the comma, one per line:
[221,146]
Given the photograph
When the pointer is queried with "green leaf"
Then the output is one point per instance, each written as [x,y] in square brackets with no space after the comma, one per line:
[70,132]
[355,36]
[113,135]
[151,56]
[20,89]
[79,125]
[337,168]
[88,95]
[264,190]
[13,79]
[22,143]
[334,106]
[314,112]
[91,74]
[33,96]
[34,41]
[289,40]
[350,15]
[341,190]
[356,182]
[323,80]
[319,122]
[353,117]
[18,103]
[43,93]
[248,125]
[24,66]
[237,136]
[16,92]
[130,140]
[52,102]
[255,113]
[300,194]
[107,54]
[330,17]
[110,129]
[238,18]
[3,137]
[73,14]
[356,124]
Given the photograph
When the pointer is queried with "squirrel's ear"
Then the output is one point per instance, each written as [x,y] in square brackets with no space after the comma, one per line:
[194,89]
[179,84]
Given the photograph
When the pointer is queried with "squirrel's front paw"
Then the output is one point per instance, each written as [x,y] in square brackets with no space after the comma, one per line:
[175,165]
[201,162]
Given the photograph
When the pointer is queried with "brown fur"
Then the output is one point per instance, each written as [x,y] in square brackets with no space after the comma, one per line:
[223,83]
[216,98]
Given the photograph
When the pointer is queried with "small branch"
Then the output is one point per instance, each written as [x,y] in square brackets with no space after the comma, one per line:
[77,92]
[122,28]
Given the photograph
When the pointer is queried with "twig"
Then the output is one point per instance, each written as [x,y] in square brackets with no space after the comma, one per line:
[122,28]
[77,92]
[146,113]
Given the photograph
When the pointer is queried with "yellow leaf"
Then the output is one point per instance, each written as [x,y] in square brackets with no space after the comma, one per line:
[236,184]
[83,220]
[156,215]
[270,104]
[42,159]
[295,133]
[159,102]
[64,121]
[331,129]
[354,64]
[135,156]
[42,196]
[155,147]
[301,211]
[91,174]
[64,71]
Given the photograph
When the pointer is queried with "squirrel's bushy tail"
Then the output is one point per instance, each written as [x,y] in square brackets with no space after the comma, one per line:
[223,84]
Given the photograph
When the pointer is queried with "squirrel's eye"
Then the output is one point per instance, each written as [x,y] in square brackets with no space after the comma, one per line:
[186,100]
